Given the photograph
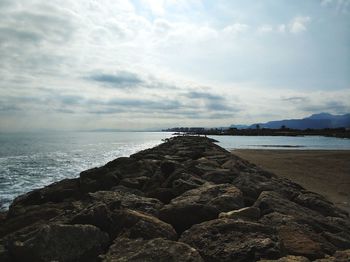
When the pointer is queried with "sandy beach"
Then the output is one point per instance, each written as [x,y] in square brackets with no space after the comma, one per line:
[326,172]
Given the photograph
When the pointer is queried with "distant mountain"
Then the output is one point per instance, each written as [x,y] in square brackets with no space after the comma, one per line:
[239,126]
[316,121]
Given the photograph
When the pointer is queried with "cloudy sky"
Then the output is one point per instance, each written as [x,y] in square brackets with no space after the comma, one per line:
[85,64]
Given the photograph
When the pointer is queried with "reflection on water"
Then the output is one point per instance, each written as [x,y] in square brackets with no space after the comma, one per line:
[283,142]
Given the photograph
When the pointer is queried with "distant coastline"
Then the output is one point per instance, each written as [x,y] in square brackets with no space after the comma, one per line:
[328,132]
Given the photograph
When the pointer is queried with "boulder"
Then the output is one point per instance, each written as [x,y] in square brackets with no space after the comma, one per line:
[320,204]
[269,202]
[154,250]
[168,167]
[300,242]
[201,204]
[60,243]
[56,192]
[23,216]
[220,177]
[134,224]
[287,259]
[298,237]
[121,199]
[97,215]
[339,256]
[100,178]
[4,254]
[233,240]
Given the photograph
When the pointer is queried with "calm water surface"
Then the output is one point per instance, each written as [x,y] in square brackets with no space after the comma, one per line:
[33,160]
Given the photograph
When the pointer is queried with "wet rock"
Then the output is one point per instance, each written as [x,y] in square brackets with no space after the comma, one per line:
[201,204]
[155,250]
[232,240]
[60,243]
[247,213]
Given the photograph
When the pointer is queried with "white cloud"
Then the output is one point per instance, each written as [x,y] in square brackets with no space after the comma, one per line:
[236,28]
[264,29]
[156,6]
[281,28]
[299,24]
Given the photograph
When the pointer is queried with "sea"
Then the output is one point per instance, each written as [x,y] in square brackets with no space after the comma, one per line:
[33,160]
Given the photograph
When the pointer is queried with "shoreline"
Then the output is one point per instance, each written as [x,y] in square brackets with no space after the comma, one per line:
[326,172]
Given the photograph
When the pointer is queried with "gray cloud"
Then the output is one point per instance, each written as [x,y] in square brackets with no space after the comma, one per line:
[295,99]
[336,107]
[213,102]
[121,79]
[203,95]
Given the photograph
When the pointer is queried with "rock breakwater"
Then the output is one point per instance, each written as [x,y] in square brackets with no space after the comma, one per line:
[187,199]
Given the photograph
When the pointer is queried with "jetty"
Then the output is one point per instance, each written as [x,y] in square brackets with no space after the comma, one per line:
[187,199]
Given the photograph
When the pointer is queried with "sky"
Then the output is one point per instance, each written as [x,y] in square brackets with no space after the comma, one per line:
[143,64]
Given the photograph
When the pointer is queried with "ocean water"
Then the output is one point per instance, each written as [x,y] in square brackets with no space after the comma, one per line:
[283,142]
[34,160]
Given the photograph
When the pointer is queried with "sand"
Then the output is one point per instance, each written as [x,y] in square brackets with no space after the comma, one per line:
[326,172]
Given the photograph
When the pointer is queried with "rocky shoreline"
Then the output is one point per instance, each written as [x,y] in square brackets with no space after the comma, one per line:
[187,199]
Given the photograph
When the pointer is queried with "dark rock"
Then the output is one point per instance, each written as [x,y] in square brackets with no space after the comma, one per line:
[269,202]
[168,167]
[96,179]
[124,189]
[180,186]
[287,259]
[60,243]
[23,216]
[339,256]
[220,177]
[56,192]
[98,215]
[201,204]
[320,204]
[155,250]
[299,237]
[135,182]
[126,200]
[134,224]
[233,240]
[4,254]
[165,195]
[300,242]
